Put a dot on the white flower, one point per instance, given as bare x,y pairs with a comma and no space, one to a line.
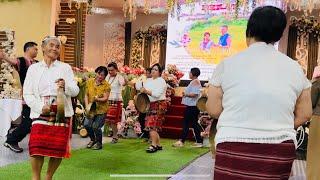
70,20
63,39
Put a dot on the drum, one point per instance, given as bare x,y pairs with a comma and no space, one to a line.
83,132
142,102
91,110
79,116
201,104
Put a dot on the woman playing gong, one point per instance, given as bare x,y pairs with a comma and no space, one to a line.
155,88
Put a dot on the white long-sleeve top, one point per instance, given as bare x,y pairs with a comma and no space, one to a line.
116,83
157,87
40,81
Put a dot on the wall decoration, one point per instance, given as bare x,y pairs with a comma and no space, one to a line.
130,7
155,51
306,25
302,54
307,50
114,43
158,35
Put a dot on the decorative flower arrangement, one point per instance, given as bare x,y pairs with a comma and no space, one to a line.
63,39
131,74
70,20
131,121
9,44
157,31
306,25
136,53
81,75
172,75
170,79
114,43
172,69
8,84
130,9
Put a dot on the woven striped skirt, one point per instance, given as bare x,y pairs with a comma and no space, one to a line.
114,112
49,139
156,116
253,161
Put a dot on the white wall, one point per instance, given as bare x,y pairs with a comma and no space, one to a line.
94,35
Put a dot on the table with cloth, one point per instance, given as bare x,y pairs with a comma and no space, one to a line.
10,110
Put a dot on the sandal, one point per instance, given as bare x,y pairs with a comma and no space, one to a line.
159,148
152,149
90,144
114,141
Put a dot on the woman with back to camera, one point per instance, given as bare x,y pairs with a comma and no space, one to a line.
260,96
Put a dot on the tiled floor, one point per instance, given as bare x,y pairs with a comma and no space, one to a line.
9,157
200,169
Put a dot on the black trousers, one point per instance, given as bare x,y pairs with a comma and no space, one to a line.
23,129
141,118
191,116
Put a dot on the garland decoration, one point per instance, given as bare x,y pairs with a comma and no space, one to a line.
306,25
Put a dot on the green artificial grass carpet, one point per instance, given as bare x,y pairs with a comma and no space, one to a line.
126,157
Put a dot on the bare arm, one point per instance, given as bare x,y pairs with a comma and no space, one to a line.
314,94
214,102
303,108
104,98
229,41
195,89
122,80
4,56
86,100
191,95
